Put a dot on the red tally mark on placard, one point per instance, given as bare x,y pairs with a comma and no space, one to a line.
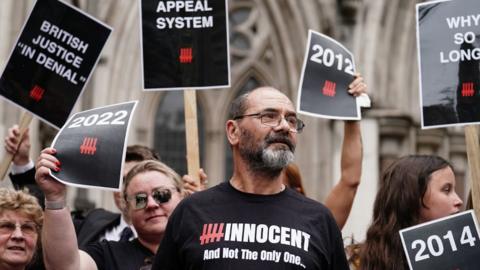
329,88
37,93
186,55
89,146
467,89
212,232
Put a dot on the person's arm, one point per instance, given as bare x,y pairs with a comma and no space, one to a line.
340,199
59,242
22,173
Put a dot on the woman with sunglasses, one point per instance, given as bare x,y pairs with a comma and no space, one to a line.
152,190
20,220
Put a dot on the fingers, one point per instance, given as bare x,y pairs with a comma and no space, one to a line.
203,178
358,86
53,190
191,185
47,160
26,136
12,139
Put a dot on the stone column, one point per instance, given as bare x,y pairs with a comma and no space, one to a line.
394,133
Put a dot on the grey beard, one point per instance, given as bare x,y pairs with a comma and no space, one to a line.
276,160
263,160
267,162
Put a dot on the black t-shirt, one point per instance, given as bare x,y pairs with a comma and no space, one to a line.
112,255
223,228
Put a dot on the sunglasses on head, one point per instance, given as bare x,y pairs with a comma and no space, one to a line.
140,200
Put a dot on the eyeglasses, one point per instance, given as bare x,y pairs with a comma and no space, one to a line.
273,119
28,228
140,200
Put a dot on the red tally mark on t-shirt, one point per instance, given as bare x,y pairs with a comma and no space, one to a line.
186,55
467,89
37,93
212,232
329,88
89,146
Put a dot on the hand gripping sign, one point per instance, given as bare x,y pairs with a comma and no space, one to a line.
52,60
91,147
448,243
328,69
184,44
449,58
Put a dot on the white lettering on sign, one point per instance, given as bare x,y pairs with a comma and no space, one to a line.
463,21
434,245
460,38
328,58
460,55
100,120
187,6
188,22
58,68
57,50
184,22
64,36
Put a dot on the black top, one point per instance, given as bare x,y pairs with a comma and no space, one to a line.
223,228
113,255
27,180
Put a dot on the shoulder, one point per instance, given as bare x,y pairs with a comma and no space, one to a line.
118,255
100,213
209,195
129,248
91,222
305,202
312,210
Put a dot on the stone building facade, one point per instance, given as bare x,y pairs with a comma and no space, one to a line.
267,44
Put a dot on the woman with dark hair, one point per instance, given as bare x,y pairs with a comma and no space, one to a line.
414,189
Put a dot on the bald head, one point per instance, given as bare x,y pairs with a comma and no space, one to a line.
240,104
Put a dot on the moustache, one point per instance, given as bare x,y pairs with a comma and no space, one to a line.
280,138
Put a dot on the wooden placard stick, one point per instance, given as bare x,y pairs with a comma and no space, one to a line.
191,131
473,154
25,121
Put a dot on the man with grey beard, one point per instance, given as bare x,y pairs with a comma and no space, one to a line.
253,221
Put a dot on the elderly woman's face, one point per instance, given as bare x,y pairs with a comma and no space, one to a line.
18,239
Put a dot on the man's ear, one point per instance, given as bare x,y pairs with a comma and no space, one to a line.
233,132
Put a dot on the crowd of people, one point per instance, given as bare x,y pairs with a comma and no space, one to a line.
261,217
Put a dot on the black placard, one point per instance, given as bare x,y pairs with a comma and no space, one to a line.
184,44
52,60
91,147
328,69
449,59
448,243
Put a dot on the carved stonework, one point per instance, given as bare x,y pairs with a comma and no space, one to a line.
429,141
349,9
